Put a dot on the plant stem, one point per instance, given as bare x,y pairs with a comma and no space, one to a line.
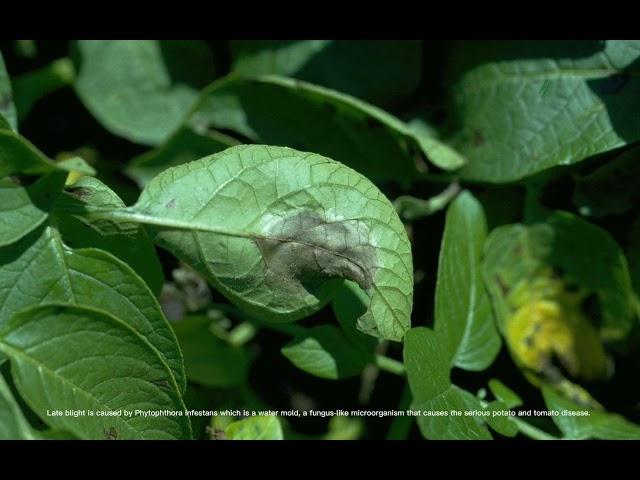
390,365
531,431
401,426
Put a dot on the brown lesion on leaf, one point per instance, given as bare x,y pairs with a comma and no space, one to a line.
110,434
5,101
171,203
304,250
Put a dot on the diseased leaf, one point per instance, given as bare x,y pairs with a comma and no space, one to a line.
317,119
255,428
40,268
596,424
463,316
183,147
141,89
7,108
66,357
433,393
299,221
522,107
584,253
13,425
325,352
22,209
129,242
381,72
208,360
18,155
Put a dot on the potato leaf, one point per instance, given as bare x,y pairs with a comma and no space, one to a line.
255,428
433,393
325,351
18,155
24,209
208,360
463,317
7,108
141,89
392,66
13,425
522,107
596,424
299,220
66,357
321,120
40,268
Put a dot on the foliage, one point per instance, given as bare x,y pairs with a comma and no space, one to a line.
259,239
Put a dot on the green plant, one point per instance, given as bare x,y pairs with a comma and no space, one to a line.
513,221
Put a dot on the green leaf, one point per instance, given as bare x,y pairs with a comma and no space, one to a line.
141,89
130,243
65,357
183,147
299,222
428,374
523,107
349,303
255,428
40,268
24,209
381,72
325,352
610,189
18,155
31,87
13,425
7,108
208,360
508,397
590,256
463,316
633,255
279,111
596,424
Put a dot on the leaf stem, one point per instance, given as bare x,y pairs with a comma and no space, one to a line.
401,426
390,365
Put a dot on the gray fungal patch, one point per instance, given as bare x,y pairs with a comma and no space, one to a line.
304,250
